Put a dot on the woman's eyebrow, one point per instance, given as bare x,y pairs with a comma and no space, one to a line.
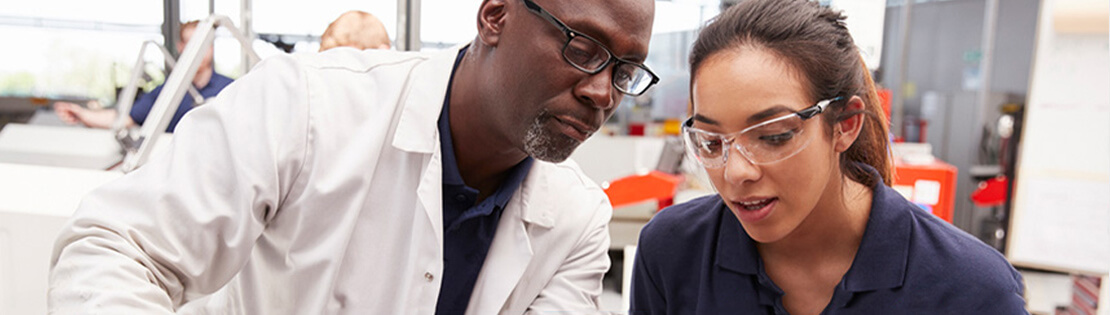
707,120
768,113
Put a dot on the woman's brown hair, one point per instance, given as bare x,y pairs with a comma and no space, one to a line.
814,40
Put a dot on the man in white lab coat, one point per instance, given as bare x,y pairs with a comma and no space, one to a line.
320,184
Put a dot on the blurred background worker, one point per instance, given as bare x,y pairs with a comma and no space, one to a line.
207,81
356,29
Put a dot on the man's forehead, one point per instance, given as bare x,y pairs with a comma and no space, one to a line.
624,25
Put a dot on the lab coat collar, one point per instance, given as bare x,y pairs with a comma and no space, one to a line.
417,131
535,197
530,208
422,101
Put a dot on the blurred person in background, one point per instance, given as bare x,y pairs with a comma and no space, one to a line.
356,29
207,82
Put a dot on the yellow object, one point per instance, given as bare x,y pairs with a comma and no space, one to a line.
672,127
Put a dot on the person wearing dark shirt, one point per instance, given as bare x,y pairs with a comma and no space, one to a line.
787,125
142,107
207,82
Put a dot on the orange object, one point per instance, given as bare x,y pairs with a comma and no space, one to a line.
639,188
885,97
932,185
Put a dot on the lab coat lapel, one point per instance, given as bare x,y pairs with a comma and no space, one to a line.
512,249
422,101
416,131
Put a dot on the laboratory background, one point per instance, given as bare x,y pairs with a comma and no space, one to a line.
999,116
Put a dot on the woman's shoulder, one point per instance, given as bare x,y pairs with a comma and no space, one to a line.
944,269
940,250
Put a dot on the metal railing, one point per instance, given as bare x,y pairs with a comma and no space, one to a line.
139,146
120,128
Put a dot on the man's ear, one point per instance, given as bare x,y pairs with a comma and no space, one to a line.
846,131
491,21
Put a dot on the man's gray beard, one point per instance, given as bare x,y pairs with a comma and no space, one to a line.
545,146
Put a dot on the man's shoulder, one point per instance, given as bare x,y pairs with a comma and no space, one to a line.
564,183
350,59
567,174
216,84
220,80
560,196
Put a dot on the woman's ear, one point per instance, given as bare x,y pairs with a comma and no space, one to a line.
491,21
846,131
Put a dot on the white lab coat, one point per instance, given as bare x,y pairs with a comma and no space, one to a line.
313,186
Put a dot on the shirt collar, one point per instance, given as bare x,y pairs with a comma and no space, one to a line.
880,262
451,175
735,249
883,252
512,182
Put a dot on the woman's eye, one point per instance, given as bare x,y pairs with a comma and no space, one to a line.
777,139
711,146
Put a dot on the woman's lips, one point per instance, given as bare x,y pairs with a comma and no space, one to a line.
754,209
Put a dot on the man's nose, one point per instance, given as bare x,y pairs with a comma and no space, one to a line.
597,89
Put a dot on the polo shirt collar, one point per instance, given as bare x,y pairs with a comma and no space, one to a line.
735,249
880,262
883,252
451,174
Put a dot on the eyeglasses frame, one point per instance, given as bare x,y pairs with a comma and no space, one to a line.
572,34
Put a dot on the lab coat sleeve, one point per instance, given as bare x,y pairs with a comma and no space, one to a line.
576,287
183,225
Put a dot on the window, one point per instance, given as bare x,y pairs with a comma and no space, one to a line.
74,49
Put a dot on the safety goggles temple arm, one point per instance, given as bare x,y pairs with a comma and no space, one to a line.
817,109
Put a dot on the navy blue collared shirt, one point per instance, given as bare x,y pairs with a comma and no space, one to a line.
468,228
695,258
144,104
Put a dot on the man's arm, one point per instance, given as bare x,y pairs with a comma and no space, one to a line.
183,225
71,113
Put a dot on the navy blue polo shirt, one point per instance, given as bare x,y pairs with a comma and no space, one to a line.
468,228
144,104
695,258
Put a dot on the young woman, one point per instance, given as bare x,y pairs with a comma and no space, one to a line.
787,124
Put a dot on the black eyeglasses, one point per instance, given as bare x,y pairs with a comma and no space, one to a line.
590,56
